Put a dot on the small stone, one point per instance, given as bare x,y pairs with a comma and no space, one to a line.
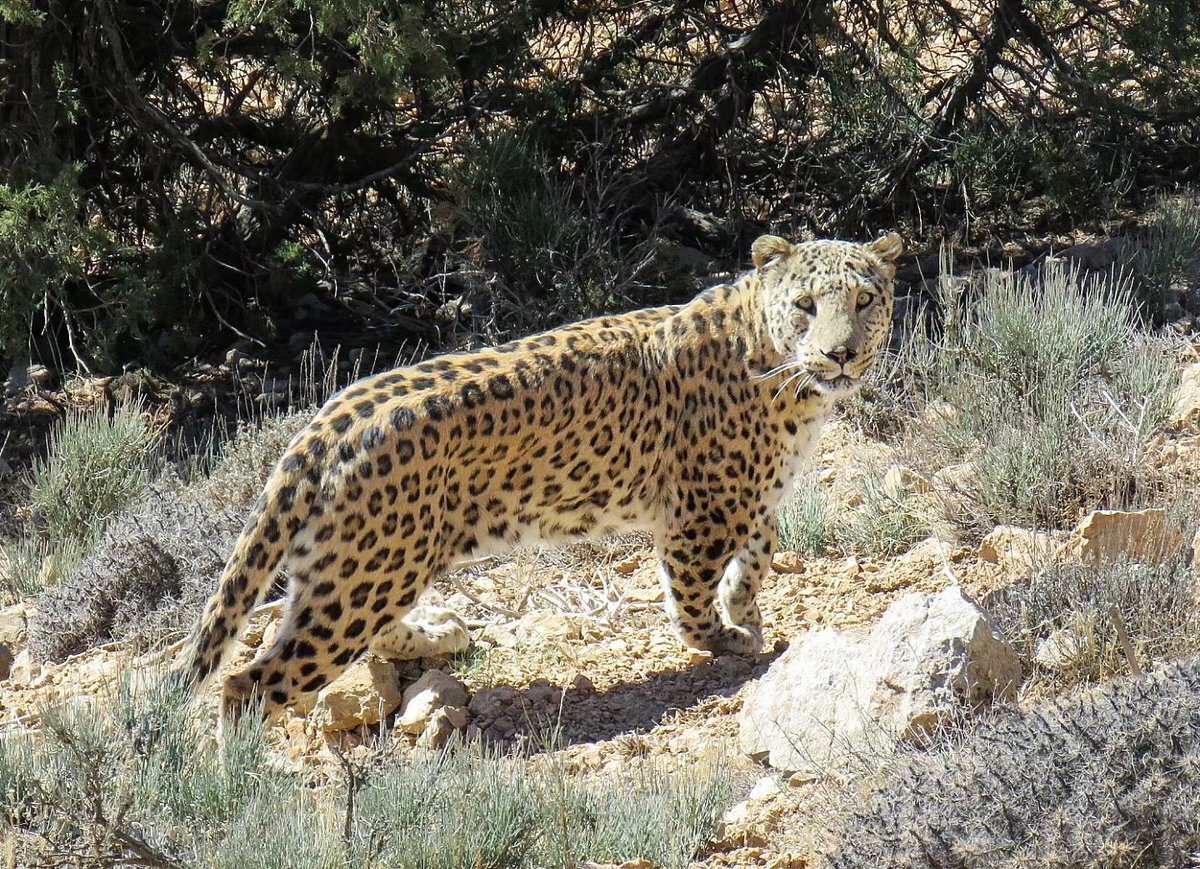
503,727
542,692
367,692
765,787
739,828
437,732
14,624
751,822
1017,550
899,480
1064,648
788,562
583,685
540,625
960,477
24,670
500,635
699,656
647,594
456,715
429,694
626,567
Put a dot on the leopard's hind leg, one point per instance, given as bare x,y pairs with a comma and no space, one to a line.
333,615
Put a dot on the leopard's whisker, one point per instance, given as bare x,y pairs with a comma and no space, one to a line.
790,365
804,377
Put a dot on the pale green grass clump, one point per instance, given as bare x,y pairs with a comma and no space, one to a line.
97,463
1040,383
135,779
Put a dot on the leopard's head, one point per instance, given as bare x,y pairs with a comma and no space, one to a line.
828,307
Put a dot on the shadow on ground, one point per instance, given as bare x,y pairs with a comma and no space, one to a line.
545,713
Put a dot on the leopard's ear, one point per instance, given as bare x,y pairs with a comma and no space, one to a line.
767,248
887,248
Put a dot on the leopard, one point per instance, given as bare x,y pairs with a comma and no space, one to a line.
690,422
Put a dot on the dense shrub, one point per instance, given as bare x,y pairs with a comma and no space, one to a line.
1166,250
146,578
97,463
143,583
1042,388
887,521
807,521
241,466
1109,777
177,174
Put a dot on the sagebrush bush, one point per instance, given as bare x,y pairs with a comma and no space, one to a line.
136,779
1075,605
145,578
242,466
1109,777
33,564
886,522
1166,247
807,521
1046,389
97,462
144,582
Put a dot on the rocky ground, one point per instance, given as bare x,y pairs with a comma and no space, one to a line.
571,654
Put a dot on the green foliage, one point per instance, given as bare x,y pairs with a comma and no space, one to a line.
20,12
1166,247
806,521
97,463
1044,387
36,563
45,247
537,227
138,780
164,194
662,817
1104,778
390,44
887,523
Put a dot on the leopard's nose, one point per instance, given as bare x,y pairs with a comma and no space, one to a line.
840,354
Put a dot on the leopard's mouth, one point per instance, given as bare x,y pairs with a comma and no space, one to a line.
838,386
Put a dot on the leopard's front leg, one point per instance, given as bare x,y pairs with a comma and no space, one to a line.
694,566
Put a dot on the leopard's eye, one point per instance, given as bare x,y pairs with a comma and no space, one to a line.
806,304
864,299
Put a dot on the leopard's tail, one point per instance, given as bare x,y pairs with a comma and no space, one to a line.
246,579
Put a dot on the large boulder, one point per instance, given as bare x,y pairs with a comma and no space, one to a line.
833,693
